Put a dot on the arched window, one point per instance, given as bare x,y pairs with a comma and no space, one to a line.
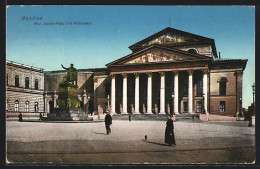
36,107
36,84
16,105
193,51
16,81
27,82
26,106
222,85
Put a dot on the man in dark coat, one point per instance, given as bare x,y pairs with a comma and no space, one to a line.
108,122
20,117
169,132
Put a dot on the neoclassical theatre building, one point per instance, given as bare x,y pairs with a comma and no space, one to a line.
171,71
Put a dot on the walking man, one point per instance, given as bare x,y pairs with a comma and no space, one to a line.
20,117
108,122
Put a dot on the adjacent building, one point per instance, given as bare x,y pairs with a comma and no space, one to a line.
24,88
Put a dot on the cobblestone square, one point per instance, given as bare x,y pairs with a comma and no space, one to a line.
87,143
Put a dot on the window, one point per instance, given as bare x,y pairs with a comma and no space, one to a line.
36,84
16,81
199,88
222,106
26,106
222,86
27,82
185,106
199,106
185,87
16,105
36,107
192,51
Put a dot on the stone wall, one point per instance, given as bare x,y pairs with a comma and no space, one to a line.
22,97
231,92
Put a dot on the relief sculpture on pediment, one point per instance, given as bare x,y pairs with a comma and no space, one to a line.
156,56
166,39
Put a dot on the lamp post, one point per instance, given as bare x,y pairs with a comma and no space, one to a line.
172,103
108,102
253,88
240,107
88,97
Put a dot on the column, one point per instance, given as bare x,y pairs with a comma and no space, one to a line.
95,98
190,95
44,103
54,99
149,93
137,93
205,89
176,92
124,93
113,93
84,97
162,93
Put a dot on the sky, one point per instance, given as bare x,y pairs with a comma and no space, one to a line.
108,31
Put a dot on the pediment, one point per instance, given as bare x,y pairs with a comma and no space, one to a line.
170,37
157,54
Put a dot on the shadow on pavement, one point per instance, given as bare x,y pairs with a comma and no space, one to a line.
99,133
161,144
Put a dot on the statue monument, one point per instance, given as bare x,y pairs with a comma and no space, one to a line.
68,105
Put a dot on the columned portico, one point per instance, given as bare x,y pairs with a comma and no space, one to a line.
162,93
124,93
149,93
113,94
190,93
137,93
205,90
176,92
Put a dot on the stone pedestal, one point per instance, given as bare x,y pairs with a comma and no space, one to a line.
68,105
68,115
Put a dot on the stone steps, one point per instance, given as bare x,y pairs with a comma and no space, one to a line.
68,115
160,117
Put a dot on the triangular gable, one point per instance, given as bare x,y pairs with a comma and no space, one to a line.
170,36
156,54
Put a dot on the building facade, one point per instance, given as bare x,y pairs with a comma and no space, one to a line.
168,72
24,88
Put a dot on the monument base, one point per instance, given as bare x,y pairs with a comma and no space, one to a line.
68,115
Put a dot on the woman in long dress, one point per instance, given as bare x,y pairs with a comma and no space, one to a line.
169,132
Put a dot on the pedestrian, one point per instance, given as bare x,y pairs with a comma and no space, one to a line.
130,116
169,132
108,122
40,117
20,117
